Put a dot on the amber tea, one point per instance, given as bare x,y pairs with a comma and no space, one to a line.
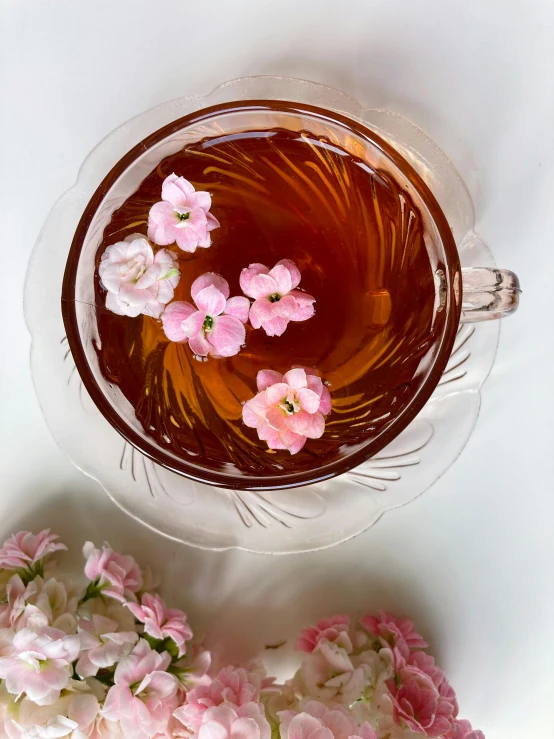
358,242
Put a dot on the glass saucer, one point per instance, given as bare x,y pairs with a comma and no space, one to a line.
277,522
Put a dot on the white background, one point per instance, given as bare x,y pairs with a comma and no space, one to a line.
471,560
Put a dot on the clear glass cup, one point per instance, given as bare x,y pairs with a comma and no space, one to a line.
465,295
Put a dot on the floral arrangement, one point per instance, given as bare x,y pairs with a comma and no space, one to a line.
140,281
107,659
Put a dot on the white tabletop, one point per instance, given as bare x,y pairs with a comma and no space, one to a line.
472,559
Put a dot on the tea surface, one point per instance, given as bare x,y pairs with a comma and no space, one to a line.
357,240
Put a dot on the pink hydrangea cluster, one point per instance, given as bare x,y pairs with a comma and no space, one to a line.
110,660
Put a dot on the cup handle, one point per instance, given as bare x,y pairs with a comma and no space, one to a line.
488,293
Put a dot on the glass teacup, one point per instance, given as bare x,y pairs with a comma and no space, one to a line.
459,294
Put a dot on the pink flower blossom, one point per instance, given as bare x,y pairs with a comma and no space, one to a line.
215,326
231,722
426,663
332,672
192,670
110,609
116,575
397,634
232,685
56,727
276,301
162,622
144,695
182,216
318,721
40,603
327,628
304,726
288,409
417,704
25,549
73,715
102,645
39,665
138,281
462,730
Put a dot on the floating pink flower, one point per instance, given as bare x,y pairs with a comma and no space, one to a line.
417,704
232,685
136,280
288,409
113,574
397,634
25,549
162,622
182,216
231,722
39,664
144,695
276,301
215,326
327,628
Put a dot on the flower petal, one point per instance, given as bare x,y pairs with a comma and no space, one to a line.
254,410
276,418
161,224
192,325
265,378
133,298
261,311
175,190
261,286
282,278
271,437
325,401
276,327
309,400
304,305
275,394
154,308
207,279
299,422
211,222
315,383
200,345
317,426
227,335
248,273
296,378
286,307
293,271
187,239
292,441
201,200
114,304
210,300
173,317
239,307
164,291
